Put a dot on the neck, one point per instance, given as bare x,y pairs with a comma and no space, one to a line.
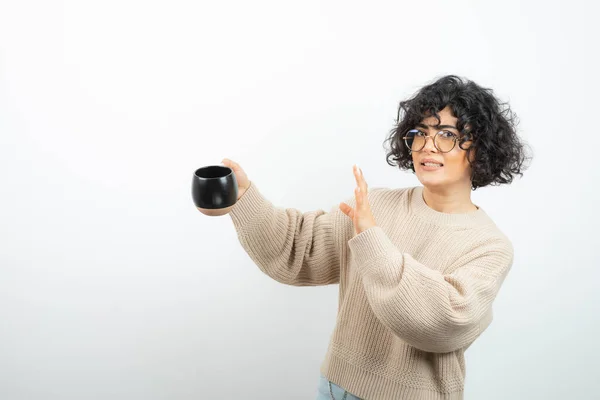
450,200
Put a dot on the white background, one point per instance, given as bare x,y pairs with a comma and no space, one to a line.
112,284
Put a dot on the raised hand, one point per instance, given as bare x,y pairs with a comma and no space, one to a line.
361,216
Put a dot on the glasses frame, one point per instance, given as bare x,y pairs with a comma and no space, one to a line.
456,139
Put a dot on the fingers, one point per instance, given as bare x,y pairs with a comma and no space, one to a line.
231,164
361,189
360,179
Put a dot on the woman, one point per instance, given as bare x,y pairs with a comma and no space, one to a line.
418,268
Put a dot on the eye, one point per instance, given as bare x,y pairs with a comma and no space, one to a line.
448,134
418,132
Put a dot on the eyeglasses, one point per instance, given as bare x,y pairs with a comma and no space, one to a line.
444,141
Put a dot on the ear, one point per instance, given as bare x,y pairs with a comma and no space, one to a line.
466,145
471,154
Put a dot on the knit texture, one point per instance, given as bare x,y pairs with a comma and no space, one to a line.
415,291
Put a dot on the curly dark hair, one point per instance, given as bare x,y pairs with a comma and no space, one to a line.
498,153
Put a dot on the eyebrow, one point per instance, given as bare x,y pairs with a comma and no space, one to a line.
437,126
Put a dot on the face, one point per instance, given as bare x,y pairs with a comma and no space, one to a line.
455,170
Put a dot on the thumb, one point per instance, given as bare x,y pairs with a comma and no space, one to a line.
346,209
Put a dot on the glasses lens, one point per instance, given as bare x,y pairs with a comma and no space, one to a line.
414,140
445,141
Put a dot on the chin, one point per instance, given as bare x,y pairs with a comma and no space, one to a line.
440,182
432,181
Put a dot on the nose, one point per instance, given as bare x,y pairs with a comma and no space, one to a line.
429,146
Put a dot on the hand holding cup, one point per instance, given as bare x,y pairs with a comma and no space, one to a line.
240,176
216,188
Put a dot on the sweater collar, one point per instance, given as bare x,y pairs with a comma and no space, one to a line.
467,220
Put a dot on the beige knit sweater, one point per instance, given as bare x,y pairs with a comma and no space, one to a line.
414,292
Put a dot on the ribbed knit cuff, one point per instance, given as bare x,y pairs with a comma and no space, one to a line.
248,206
370,245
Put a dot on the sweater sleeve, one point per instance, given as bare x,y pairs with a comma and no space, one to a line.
429,310
291,247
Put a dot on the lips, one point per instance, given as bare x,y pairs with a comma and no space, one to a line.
431,161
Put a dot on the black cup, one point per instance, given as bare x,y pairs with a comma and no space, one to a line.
214,189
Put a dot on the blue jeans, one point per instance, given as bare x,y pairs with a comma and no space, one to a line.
338,393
